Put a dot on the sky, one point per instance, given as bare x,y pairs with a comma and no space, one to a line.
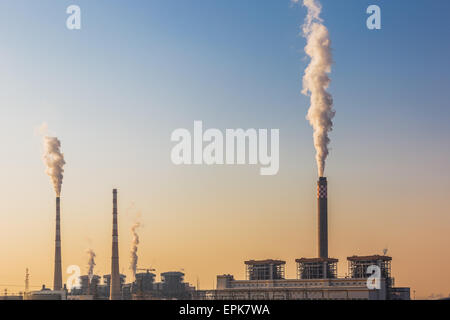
114,91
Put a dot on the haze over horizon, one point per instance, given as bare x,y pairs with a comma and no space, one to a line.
115,90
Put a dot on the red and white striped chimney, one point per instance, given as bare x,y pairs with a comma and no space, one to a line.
57,280
115,276
322,217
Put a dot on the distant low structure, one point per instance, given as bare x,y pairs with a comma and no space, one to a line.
11,297
46,294
90,288
171,287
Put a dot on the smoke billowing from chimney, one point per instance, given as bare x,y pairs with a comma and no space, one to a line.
134,248
91,263
316,80
54,161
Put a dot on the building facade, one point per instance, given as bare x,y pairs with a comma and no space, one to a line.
316,280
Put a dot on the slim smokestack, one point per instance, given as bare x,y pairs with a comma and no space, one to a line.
322,217
115,277
57,280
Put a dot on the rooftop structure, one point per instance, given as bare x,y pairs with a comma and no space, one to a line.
358,265
265,269
316,268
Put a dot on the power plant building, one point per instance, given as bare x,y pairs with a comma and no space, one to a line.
265,269
317,278
88,286
144,281
46,294
358,266
316,268
311,284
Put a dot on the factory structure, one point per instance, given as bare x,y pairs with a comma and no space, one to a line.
145,287
368,277
111,286
317,278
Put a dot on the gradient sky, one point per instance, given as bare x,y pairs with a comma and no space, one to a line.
114,91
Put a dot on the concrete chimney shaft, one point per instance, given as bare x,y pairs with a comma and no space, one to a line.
322,217
115,276
57,280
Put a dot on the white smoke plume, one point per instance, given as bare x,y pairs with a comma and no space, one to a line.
134,248
316,80
53,160
91,263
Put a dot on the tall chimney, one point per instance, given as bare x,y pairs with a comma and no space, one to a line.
322,217
115,277
57,280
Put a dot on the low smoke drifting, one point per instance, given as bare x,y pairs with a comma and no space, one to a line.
91,263
316,80
54,161
134,248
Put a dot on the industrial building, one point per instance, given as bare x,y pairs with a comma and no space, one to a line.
265,269
172,286
46,294
317,278
113,286
144,281
317,268
9,297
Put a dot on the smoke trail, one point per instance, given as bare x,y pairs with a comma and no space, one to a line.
54,161
316,80
91,263
134,248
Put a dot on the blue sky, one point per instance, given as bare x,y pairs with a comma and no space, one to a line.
226,61
115,90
